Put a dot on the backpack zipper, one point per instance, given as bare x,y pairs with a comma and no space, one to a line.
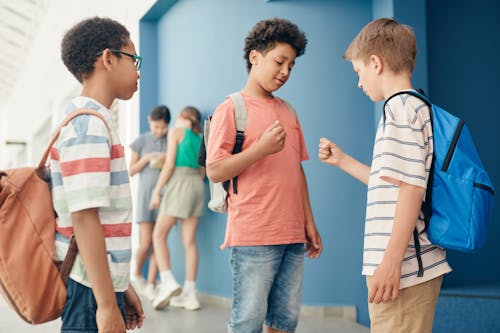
453,145
484,187
450,152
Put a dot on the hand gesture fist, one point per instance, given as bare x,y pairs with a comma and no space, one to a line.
273,139
329,152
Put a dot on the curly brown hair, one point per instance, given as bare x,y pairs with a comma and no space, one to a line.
82,43
267,33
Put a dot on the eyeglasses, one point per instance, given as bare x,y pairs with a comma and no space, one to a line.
137,58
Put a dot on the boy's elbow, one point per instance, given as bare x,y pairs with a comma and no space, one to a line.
213,174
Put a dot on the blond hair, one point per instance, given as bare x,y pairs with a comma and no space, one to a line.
393,42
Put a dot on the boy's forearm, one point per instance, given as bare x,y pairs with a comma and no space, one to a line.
407,211
355,168
233,165
92,249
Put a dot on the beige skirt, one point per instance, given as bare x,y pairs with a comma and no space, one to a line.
184,194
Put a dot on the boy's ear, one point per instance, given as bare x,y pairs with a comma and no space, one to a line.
107,59
376,63
253,56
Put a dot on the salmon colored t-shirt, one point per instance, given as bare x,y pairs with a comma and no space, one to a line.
268,209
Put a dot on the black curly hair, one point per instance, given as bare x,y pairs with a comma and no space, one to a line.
267,33
82,43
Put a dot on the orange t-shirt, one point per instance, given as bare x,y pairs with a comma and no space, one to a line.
268,209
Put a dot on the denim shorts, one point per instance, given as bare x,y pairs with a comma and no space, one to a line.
79,311
267,286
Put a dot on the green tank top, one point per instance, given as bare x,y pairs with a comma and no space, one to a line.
188,149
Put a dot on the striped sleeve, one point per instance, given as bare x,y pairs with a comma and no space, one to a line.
85,164
406,151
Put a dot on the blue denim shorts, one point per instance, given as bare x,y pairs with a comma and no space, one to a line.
267,286
79,311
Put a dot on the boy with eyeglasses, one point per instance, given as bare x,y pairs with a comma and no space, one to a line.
90,184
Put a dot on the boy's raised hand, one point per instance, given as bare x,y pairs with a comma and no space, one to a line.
273,139
329,152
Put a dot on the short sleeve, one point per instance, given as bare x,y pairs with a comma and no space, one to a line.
138,144
85,162
406,147
222,135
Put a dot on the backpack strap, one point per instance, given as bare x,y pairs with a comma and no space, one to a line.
240,111
420,95
65,122
240,116
426,205
66,266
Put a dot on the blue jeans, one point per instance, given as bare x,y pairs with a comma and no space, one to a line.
267,285
79,311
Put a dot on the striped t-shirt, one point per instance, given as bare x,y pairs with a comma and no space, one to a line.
89,170
402,152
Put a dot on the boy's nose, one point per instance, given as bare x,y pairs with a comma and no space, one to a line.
285,71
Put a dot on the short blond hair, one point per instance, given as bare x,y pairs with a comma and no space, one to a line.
393,42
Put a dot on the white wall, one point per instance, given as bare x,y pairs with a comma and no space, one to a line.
45,85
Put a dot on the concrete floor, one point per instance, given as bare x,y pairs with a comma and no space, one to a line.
211,318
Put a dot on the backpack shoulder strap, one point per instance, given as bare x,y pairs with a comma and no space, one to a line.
65,122
420,95
240,111
426,205
240,115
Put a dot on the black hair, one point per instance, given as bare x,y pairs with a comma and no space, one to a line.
160,112
267,33
82,43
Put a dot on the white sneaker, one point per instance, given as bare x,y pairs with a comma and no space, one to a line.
139,284
150,291
187,301
165,292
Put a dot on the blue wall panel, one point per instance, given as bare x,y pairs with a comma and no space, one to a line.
463,78
199,48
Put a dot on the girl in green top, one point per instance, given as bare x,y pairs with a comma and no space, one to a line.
181,179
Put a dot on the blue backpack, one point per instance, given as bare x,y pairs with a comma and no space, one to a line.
459,196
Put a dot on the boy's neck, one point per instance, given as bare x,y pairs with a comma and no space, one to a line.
98,92
253,89
396,83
